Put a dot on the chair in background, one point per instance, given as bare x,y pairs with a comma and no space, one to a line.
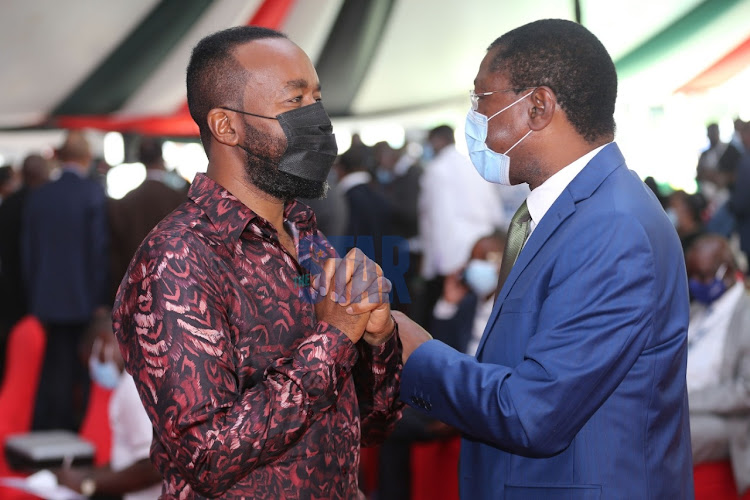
23,366
715,481
434,469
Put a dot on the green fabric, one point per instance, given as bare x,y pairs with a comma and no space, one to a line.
658,47
120,74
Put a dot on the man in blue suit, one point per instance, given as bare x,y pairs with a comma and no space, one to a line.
578,388
65,264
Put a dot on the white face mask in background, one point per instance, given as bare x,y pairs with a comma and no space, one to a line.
493,167
481,276
107,373
672,215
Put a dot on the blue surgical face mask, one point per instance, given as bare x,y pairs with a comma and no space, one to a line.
708,293
385,176
672,215
428,153
481,276
107,373
493,167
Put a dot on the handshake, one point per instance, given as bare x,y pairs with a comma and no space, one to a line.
353,297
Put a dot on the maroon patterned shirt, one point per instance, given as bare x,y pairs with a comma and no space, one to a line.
249,395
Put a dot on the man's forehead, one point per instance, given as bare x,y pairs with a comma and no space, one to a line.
486,75
277,59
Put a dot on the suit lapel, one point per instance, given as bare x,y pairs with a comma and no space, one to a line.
580,188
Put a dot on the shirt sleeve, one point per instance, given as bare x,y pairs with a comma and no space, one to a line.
177,343
377,378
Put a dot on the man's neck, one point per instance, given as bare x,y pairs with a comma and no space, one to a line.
560,158
260,202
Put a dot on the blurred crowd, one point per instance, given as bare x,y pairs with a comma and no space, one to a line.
433,224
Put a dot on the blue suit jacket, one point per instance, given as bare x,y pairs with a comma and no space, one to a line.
65,249
578,389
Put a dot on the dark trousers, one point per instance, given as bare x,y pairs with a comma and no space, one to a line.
64,383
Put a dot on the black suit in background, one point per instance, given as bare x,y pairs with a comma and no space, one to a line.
65,257
456,331
739,202
403,194
369,219
133,217
12,295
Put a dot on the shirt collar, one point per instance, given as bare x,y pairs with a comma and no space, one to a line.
541,199
230,216
74,169
354,179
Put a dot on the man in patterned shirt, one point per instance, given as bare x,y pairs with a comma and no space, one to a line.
257,385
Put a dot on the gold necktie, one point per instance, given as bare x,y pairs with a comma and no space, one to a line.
517,234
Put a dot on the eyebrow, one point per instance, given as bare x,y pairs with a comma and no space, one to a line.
299,83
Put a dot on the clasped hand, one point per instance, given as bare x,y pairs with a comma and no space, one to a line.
353,296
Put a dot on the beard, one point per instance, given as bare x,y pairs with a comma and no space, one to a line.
263,153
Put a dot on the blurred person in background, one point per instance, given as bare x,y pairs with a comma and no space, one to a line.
369,211
739,200
718,367
35,171
685,211
98,171
65,265
709,179
331,212
8,183
461,313
398,175
723,220
456,207
130,474
132,217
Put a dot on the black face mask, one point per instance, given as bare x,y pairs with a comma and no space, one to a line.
310,143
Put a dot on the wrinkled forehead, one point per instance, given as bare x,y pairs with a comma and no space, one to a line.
273,64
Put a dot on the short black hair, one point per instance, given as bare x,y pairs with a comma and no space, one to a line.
149,150
570,60
358,158
444,132
214,77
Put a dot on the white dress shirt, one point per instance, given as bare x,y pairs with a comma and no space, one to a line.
351,180
456,208
707,335
131,433
543,197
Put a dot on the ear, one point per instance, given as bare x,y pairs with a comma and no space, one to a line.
222,128
543,108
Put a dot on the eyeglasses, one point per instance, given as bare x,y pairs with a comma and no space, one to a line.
475,97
